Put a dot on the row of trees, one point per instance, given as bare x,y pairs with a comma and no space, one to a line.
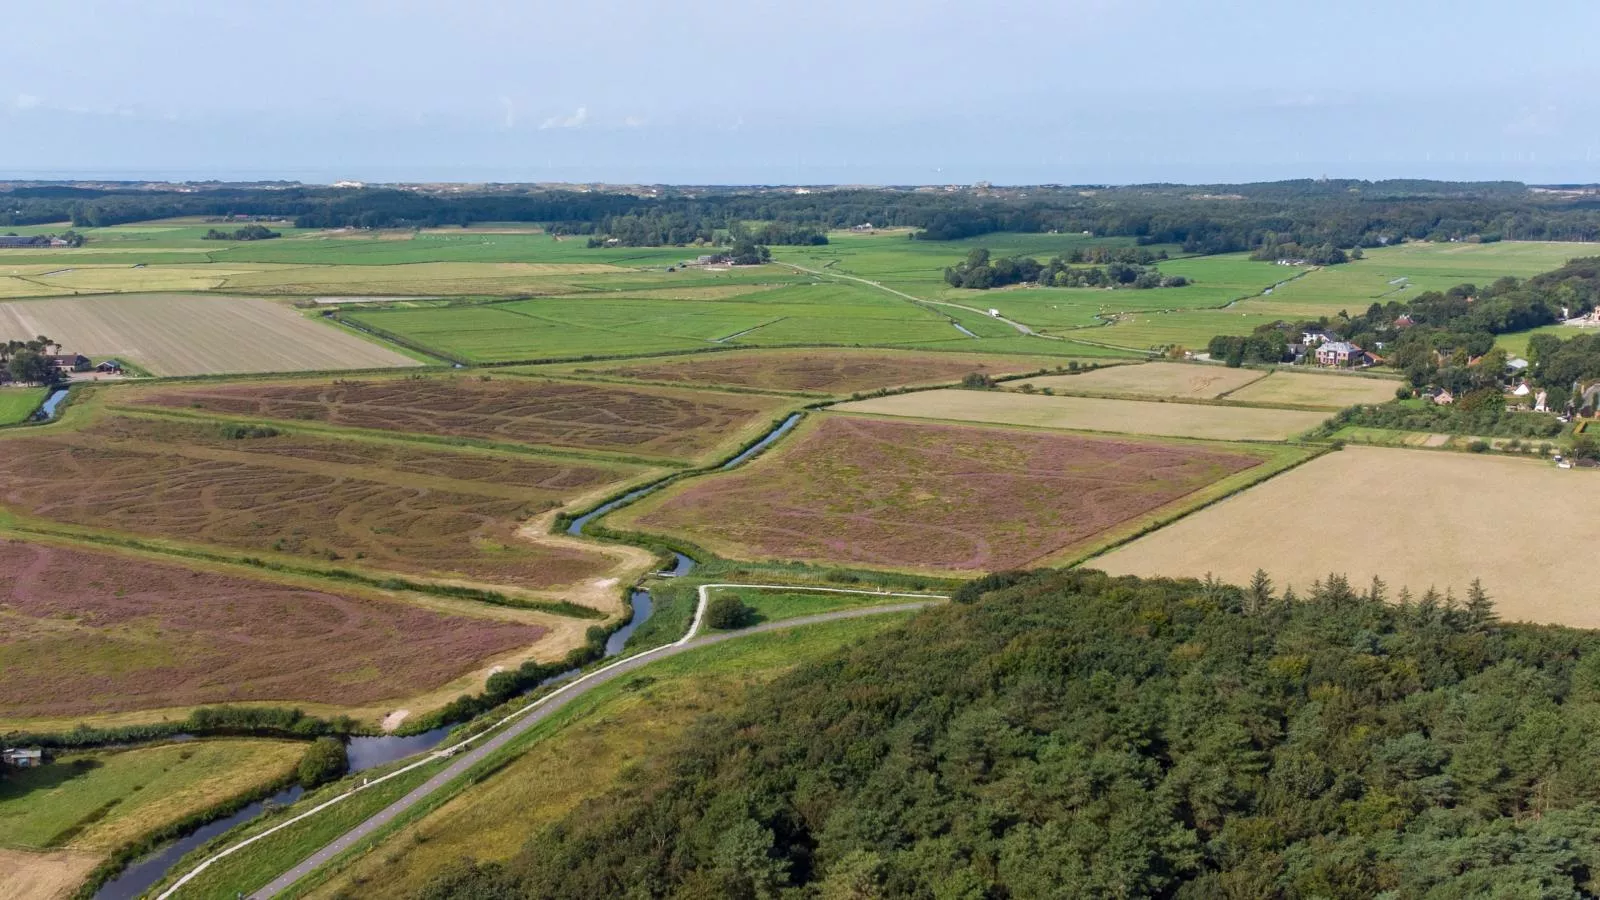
980,272
1324,254
29,361
1075,735
246,233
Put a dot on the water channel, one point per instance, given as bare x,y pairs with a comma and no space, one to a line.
368,752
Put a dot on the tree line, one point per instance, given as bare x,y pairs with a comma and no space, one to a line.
1337,214
980,272
1069,734
246,233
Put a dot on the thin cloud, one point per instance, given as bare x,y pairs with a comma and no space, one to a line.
576,120
26,101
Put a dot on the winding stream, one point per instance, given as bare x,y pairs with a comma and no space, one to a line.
367,752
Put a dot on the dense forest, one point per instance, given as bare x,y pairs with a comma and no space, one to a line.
1313,217
246,233
1068,734
980,272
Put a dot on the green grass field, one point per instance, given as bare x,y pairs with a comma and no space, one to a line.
19,404
103,799
773,606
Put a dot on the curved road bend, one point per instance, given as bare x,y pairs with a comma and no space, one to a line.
528,717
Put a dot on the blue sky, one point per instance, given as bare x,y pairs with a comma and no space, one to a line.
893,91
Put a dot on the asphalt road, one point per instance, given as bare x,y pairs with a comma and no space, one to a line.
517,723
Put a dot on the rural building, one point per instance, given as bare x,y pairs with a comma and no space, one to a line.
1516,366
110,366
1340,353
863,227
22,759
27,240
1443,398
1404,321
1314,336
70,362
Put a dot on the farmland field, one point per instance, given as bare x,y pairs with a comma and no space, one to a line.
1309,389
172,334
19,404
932,497
1159,380
114,634
660,422
100,800
142,477
1435,524
1094,414
817,371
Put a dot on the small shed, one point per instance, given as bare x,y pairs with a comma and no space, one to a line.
112,366
22,759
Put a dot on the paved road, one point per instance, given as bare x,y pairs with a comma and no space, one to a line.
519,722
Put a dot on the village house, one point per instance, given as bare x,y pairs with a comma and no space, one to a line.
68,363
1443,397
1516,366
1341,354
1316,335
1404,321
22,759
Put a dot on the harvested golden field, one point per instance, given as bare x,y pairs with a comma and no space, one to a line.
1183,381
1095,414
1414,518
177,334
1310,389
925,496
819,371
369,509
112,633
52,875
660,422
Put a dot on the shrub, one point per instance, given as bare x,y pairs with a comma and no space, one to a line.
727,611
246,432
977,380
324,761
1478,447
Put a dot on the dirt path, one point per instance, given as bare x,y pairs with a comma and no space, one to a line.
519,722
922,300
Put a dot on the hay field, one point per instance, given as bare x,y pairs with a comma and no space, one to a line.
175,334
930,497
661,422
824,371
1414,518
1093,414
1158,380
1309,389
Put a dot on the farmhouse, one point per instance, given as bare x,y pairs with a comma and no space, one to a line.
22,759
27,240
1340,353
70,362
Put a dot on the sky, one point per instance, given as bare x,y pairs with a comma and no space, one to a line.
819,92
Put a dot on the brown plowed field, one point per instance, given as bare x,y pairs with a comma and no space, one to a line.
101,633
655,421
926,496
114,476
823,371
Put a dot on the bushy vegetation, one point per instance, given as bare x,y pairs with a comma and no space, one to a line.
234,431
246,233
1076,735
239,721
1480,412
980,272
727,612
509,683
324,761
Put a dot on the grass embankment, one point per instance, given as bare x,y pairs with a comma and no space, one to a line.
269,857
591,745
